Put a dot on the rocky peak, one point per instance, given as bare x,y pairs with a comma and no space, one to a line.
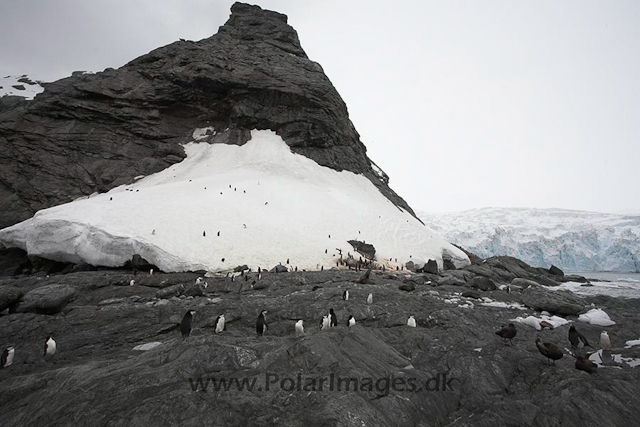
92,132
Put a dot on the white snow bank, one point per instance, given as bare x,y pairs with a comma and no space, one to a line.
632,343
534,322
596,316
268,204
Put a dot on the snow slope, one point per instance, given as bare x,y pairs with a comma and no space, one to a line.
572,240
19,86
268,204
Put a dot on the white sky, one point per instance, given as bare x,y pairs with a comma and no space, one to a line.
464,104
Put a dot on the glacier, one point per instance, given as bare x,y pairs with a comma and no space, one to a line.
578,241
257,204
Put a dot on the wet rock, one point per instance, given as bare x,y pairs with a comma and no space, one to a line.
556,302
170,291
278,269
472,294
483,283
49,299
431,267
9,295
555,271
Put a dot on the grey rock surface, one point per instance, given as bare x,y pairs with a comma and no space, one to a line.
97,378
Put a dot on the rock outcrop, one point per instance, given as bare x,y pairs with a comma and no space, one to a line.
92,132
102,374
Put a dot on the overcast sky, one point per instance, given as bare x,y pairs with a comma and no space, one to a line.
464,104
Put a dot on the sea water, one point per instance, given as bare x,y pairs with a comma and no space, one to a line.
626,285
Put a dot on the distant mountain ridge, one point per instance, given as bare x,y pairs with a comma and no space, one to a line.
572,240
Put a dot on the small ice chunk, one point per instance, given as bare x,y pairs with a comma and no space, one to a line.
147,346
596,316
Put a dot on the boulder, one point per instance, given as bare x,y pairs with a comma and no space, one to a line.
8,296
407,287
561,303
555,271
193,290
170,291
278,269
48,299
471,294
544,280
480,270
241,268
575,278
431,267
449,280
523,283
483,283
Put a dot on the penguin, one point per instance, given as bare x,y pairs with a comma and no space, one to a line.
218,234
49,347
204,234
198,280
576,337
507,332
345,295
153,232
186,324
352,321
322,268
296,269
261,323
325,251
411,322
370,299
299,328
334,318
220,324
549,350
132,282
287,260
151,272
326,323
605,341
233,277
7,357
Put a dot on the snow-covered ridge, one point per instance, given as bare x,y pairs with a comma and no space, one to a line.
571,240
267,203
19,86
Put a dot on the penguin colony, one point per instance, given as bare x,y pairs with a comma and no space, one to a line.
507,332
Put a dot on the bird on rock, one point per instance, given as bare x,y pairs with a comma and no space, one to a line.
507,332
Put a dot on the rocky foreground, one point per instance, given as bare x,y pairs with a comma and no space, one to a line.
466,375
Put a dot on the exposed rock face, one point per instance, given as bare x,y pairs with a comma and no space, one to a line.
92,132
48,299
495,384
556,302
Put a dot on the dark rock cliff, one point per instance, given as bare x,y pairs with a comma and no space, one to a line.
92,132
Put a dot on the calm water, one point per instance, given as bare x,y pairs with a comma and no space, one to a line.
613,284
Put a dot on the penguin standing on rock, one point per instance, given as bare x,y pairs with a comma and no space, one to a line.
299,328
334,318
352,321
261,323
7,357
345,295
370,299
187,323
50,347
220,324
605,341
325,323
411,322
